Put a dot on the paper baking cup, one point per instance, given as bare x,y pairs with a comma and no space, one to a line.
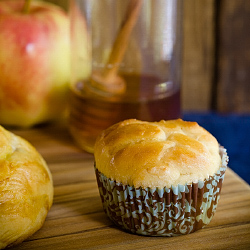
162,212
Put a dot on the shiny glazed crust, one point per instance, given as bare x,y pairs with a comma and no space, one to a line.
26,189
157,154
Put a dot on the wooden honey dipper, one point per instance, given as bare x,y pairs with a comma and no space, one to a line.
109,80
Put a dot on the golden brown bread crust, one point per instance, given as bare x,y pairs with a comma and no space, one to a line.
26,189
157,154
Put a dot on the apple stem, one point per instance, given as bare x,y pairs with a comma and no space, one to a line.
26,6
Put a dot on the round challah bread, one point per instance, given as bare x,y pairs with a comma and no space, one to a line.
159,178
26,189
157,154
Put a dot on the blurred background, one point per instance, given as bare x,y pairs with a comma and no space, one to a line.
216,73
216,55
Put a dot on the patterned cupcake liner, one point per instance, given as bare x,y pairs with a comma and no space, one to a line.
162,212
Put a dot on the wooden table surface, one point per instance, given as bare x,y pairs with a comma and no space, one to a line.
77,221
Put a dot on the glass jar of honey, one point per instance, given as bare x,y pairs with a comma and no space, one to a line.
126,63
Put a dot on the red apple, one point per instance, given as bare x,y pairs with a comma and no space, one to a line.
34,62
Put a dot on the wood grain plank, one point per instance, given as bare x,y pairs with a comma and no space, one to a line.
113,238
54,143
234,57
83,223
77,221
198,54
72,225
73,172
